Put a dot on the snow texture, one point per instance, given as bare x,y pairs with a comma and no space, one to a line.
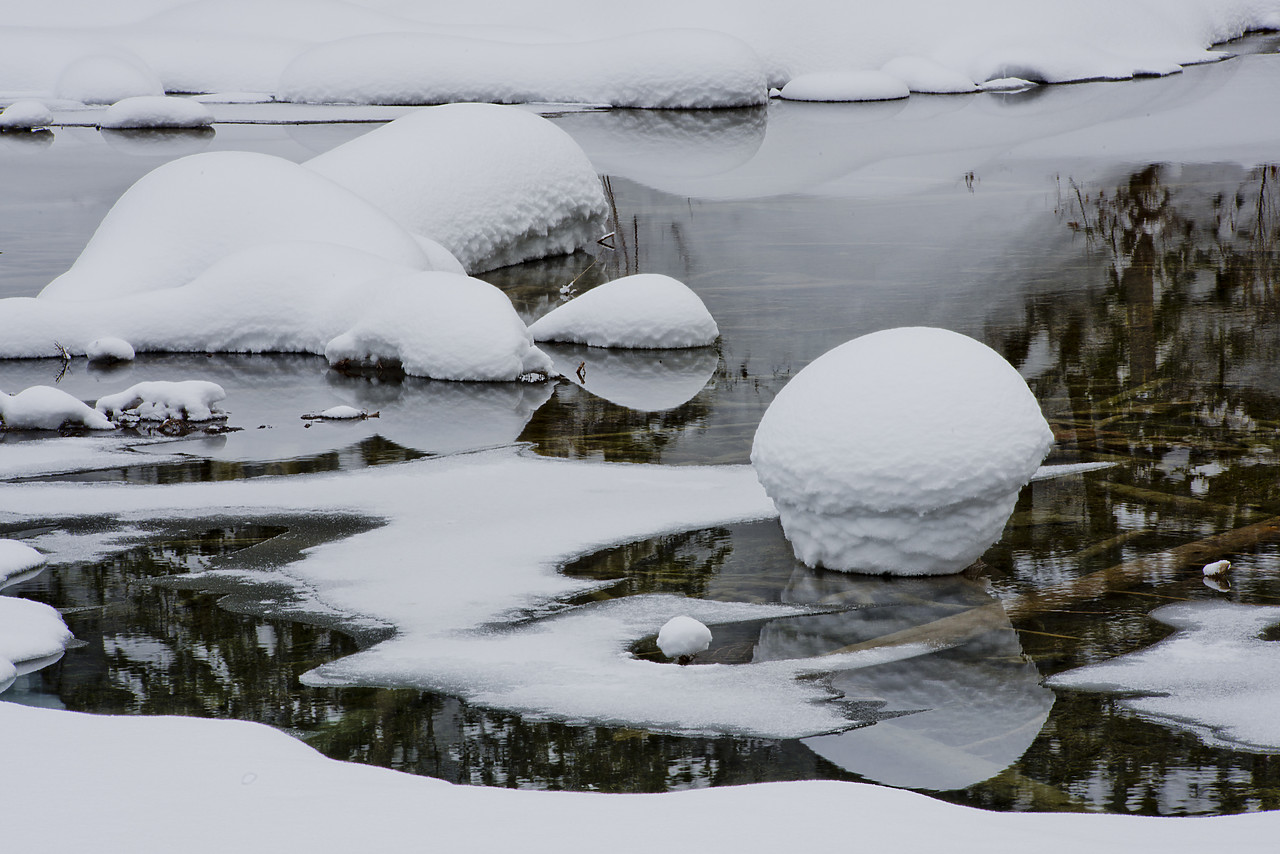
27,114
108,349
645,311
683,635
651,69
1214,676
494,185
900,452
188,400
845,86
32,635
156,111
44,407
17,559
444,326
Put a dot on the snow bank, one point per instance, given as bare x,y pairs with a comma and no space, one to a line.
845,86
181,217
47,408
32,635
900,452
444,326
189,400
27,114
17,559
156,111
494,185
107,78
652,69
645,311
1215,676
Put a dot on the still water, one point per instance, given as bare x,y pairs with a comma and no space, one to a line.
1138,300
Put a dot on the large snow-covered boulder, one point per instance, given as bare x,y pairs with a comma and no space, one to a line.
180,218
444,326
156,111
900,452
32,635
645,311
494,185
44,407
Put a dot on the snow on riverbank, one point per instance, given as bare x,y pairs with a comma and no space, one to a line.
267,789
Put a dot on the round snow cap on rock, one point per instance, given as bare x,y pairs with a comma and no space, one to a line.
25,115
683,637
646,311
845,86
156,111
107,350
900,452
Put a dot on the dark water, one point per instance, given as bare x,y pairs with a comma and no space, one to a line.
1139,300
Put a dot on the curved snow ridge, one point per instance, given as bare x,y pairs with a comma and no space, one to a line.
691,69
32,635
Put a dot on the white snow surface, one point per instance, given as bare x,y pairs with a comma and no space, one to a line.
494,185
650,69
32,635
186,400
109,349
27,114
644,311
17,558
683,635
264,785
900,452
845,86
156,111
44,407
1214,676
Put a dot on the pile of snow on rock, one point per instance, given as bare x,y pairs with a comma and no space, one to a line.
155,111
900,452
645,311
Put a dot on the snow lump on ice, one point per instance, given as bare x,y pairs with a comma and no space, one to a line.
900,452
645,311
32,634
156,111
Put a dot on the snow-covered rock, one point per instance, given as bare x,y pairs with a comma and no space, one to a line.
108,349
27,114
443,326
683,637
494,185
928,77
645,311
106,78
651,69
32,635
180,218
188,400
17,559
156,111
845,86
342,413
44,407
900,452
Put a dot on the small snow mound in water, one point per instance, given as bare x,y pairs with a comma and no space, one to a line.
106,78
17,558
683,636
1008,84
443,326
928,77
900,452
343,413
44,407
27,114
31,633
645,311
845,86
106,350
156,111
190,400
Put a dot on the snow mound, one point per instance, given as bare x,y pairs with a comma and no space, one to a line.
32,635
683,636
107,350
645,311
1215,676
44,407
178,219
17,559
26,114
845,86
928,77
343,413
189,400
106,78
900,452
443,326
156,111
493,185
651,69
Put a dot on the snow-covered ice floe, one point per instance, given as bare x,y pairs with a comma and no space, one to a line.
17,561
156,111
1215,676
900,452
645,311
32,635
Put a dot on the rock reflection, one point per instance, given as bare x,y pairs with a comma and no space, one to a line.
159,142
643,380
